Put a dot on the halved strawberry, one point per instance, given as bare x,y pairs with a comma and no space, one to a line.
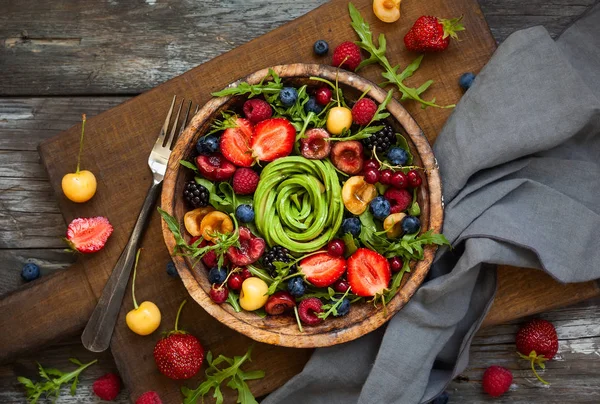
249,251
88,234
323,269
235,143
273,138
368,272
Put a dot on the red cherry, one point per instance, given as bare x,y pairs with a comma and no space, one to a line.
336,248
371,164
279,303
323,95
396,264
385,176
218,294
399,180
341,286
235,281
245,274
414,179
371,176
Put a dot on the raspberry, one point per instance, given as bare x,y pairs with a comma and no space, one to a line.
496,380
400,199
257,110
363,111
107,387
308,310
347,56
149,397
245,181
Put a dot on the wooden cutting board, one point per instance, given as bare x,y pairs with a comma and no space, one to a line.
117,146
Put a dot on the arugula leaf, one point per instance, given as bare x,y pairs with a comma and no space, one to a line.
229,121
51,387
351,244
396,282
216,376
403,144
332,307
189,165
377,55
233,300
270,90
223,198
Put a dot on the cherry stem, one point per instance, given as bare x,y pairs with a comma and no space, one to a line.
137,257
178,313
83,117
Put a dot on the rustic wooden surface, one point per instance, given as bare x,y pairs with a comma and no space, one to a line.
31,222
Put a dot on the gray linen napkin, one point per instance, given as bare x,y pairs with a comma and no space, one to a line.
519,160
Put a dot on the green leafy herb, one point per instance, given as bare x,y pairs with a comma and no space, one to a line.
414,208
331,308
260,273
377,55
269,89
367,130
229,121
194,251
222,196
218,373
51,385
396,282
260,313
403,144
351,244
282,271
234,300
189,165
298,116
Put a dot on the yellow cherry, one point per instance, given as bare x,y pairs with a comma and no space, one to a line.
387,10
254,294
79,186
213,223
393,225
145,318
338,119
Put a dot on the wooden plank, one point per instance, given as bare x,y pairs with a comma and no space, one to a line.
22,164
130,47
31,230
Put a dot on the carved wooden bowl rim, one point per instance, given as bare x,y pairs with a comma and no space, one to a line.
279,330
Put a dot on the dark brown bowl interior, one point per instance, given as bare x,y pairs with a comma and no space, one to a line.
282,330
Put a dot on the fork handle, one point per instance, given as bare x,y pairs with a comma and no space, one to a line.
99,329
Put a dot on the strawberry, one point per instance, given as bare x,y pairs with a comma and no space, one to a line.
496,380
214,167
149,397
249,251
368,272
322,269
537,342
363,111
235,143
88,234
347,56
107,387
245,181
273,138
432,34
179,355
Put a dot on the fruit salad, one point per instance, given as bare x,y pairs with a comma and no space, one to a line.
302,202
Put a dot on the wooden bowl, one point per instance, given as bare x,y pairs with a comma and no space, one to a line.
282,330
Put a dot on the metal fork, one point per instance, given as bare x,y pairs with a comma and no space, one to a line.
99,329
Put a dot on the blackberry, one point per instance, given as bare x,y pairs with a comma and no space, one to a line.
195,195
277,253
382,140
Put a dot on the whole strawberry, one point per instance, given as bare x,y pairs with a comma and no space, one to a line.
537,342
432,34
107,387
179,355
496,380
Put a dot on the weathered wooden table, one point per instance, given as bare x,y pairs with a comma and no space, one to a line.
117,49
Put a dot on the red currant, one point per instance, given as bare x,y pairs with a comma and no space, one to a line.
399,180
323,95
385,176
219,294
371,176
235,281
336,248
245,274
414,179
341,286
371,164
396,264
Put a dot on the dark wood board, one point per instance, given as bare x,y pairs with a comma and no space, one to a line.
133,126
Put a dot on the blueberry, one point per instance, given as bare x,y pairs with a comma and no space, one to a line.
207,144
296,286
312,106
441,399
217,275
411,224
171,270
380,207
343,308
466,80
397,156
321,47
245,213
352,226
30,272
288,96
